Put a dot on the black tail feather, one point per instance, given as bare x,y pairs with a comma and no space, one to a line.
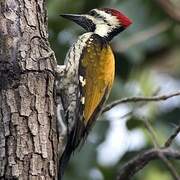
74,139
63,162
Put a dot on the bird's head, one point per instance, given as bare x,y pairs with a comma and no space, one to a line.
105,22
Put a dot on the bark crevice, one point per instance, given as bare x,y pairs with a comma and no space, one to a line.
28,135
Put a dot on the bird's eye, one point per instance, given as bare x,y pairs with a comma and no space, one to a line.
92,13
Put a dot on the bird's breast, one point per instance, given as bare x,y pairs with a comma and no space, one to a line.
98,64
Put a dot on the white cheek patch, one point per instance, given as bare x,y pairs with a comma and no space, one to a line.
104,28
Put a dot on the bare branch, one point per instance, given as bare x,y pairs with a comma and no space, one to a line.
140,99
151,133
172,8
172,137
170,167
168,164
142,36
136,164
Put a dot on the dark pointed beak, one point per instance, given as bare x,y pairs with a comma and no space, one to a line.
80,19
73,17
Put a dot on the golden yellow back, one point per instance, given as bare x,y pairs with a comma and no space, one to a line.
98,64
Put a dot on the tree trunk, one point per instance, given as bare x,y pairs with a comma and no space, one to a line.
28,137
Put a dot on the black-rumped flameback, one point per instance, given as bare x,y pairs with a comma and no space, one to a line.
89,74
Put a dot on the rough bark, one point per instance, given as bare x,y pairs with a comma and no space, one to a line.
28,138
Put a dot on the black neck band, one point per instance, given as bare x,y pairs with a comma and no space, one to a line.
114,33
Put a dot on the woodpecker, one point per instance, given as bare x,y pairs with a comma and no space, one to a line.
88,74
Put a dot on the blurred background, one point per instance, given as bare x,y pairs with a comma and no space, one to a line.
147,63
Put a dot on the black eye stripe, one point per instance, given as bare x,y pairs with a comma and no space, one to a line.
95,14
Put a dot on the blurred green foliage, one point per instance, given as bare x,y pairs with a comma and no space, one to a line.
147,63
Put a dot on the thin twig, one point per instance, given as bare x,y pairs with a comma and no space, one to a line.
168,164
172,137
151,133
140,161
172,8
140,99
142,36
